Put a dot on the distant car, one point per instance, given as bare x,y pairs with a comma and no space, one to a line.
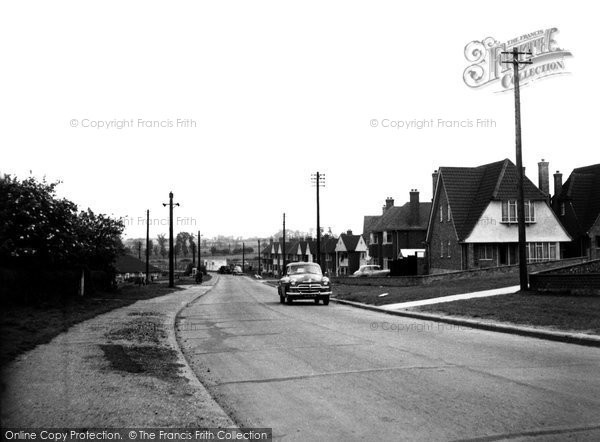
237,270
304,280
370,270
224,270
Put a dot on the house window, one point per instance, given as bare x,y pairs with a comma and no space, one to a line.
486,252
529,212
387,237
449,213
562,209
541,251
598,242
441,249
449,249
441,214
509,211
375,238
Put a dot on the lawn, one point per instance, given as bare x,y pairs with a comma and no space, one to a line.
370,294
24,327
561,312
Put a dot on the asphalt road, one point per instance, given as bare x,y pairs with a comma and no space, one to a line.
314,372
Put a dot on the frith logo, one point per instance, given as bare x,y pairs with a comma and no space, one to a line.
487,68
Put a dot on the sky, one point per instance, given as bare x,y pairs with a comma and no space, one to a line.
257,96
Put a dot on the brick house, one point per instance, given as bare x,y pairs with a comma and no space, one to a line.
351,252
577,205
399,231
473,221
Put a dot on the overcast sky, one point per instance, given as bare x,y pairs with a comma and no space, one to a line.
277,90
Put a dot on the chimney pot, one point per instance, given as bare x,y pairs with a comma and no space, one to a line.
349,232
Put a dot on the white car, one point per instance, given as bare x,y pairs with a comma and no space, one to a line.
370,270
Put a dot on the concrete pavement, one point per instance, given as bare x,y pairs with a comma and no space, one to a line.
119,369
450,298
315,372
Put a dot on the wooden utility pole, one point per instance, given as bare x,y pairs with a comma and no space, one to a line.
523,279
318,180
147,246
171,248
259,256
243,256
283,251
199,251
140,250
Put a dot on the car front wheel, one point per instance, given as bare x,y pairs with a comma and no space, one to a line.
326,300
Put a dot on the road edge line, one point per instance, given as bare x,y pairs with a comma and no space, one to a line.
549,335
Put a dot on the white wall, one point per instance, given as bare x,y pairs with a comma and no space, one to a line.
547,228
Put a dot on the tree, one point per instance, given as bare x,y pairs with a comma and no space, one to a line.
38,229
162,245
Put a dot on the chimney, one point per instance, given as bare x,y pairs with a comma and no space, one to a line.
544,177
414,206
349,232
557,183
389,202
434,179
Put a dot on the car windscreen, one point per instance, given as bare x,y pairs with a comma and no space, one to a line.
297,270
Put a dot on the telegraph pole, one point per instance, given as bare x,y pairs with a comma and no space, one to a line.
147,246
243,256
171,249
199,252
140,250
259,257
523,279
283,260
318,180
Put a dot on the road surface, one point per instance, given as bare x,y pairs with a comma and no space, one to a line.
314,372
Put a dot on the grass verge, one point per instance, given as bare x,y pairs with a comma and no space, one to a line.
556,311
368,294
25,327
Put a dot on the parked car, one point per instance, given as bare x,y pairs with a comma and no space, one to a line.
304,280
225,270
237,270
370,270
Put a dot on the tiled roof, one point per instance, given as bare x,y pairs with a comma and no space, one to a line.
131,264
350,241
368,223
399,218
582,189
470,190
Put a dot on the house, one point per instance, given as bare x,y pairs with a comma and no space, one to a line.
577,205
127,266
473,220
351,252
399,232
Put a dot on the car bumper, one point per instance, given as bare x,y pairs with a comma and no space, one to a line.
308,294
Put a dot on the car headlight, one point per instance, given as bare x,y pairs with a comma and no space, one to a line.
326,282
293,283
